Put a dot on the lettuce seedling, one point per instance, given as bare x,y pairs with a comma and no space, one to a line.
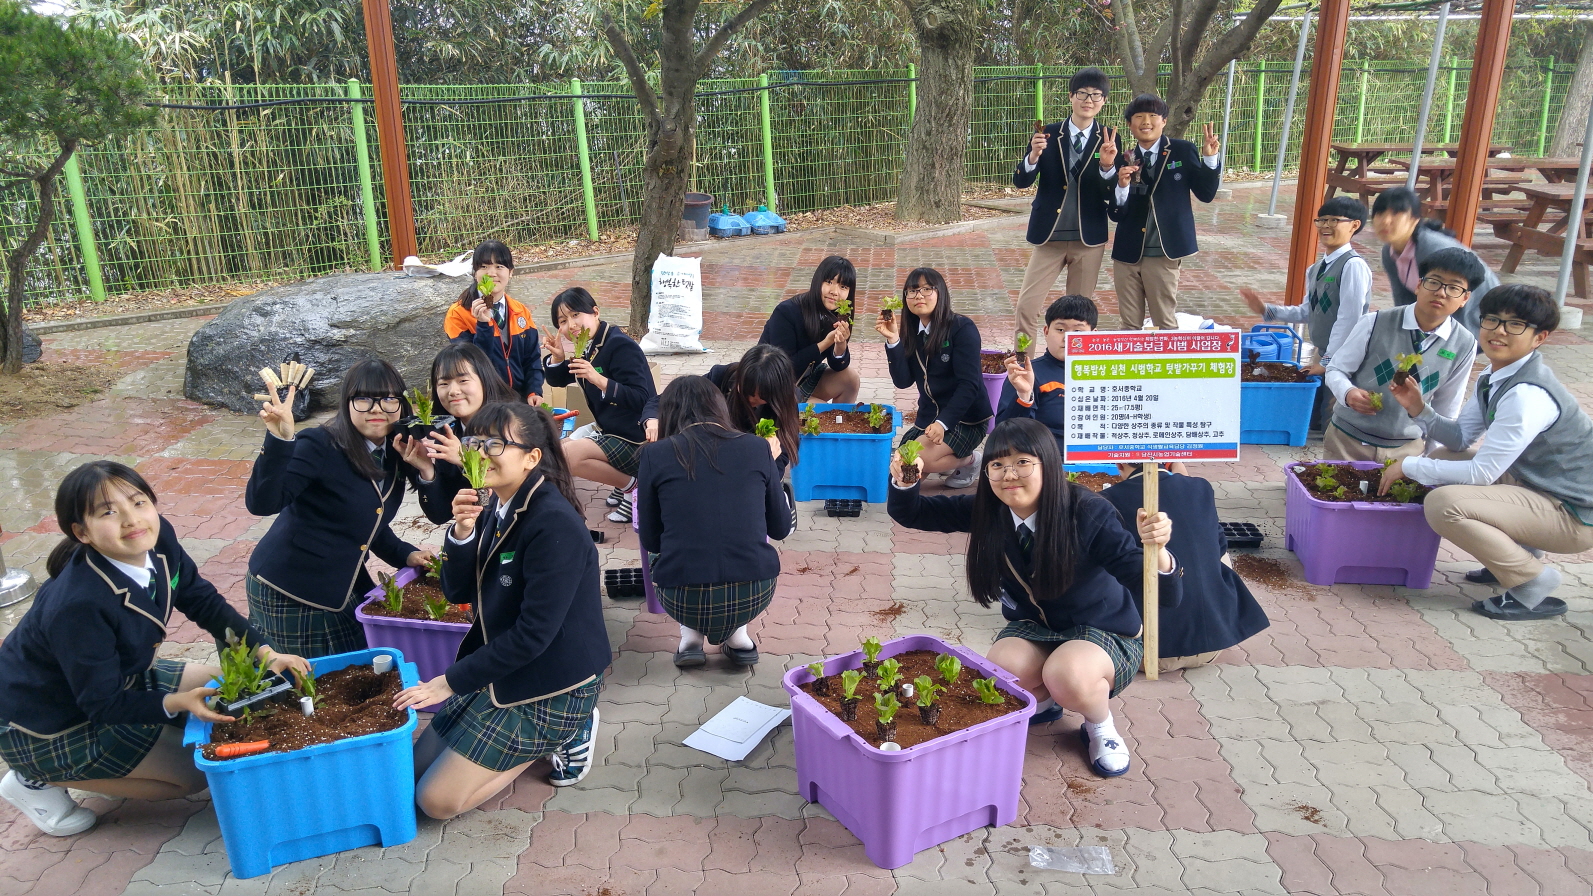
1405,491
810,421
474,465
909,451
242,673
1403,365
485,286
392,595
871,649
890,306
434,567
926,691
420,403
437,607
850,679
876,415
987,691
1376,399
582,340
1023,343
844,309
304,686
886,704
765,428
949,667
889,672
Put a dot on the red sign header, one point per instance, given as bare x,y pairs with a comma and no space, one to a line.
1182,342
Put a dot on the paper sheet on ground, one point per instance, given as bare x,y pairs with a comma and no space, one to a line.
737,729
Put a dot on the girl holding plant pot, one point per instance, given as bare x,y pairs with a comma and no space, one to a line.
938,351
527,676
814,330
1067,574
486,317
462,382
708,496
85,703
306,574
619,389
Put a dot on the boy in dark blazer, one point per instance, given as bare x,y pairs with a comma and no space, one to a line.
1155,221
1037,390
1067,221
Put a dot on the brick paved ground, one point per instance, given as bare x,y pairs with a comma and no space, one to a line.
1374,740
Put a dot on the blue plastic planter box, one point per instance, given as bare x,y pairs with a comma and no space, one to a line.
845,465
276,808
1276,413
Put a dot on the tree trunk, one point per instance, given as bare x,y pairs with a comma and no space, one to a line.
1573,117
17,263
948,36
665,172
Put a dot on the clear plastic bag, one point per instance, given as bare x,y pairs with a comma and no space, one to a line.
1077,859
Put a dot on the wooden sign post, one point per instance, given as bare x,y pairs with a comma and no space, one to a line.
1151,617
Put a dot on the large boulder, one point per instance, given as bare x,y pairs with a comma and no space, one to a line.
332,322
33,346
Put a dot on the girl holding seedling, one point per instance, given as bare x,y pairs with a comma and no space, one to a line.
306,573
462,381
526,680
938,351
708,496
84,700
1067,574
486,317
814,329
760,387
618,386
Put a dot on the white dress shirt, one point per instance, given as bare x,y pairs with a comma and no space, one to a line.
141,575
923,330
1520,416
1355,288
1446,399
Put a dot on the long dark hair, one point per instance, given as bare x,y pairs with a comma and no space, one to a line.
489,252
1404,199
75,499
818,320
457,358
939,319
520,422
692,414
765,371
1055,550
370,378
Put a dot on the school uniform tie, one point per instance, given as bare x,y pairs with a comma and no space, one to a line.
1483,385
1144,162
1025,541
1078,147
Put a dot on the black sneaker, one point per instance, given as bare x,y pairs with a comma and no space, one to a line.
1481,577
615,498
1507,609
572,761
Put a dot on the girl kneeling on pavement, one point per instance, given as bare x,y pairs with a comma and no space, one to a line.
83,700
1067,574
525,683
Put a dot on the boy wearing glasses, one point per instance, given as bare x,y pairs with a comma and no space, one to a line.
1529,487
1067,223
1367,424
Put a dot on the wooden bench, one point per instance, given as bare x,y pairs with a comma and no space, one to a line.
1550,245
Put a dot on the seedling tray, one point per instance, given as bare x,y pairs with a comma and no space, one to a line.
627,584
1241,535
276,683
843,507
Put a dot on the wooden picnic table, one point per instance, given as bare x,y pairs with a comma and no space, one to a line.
1436,179
1530,232
1356,160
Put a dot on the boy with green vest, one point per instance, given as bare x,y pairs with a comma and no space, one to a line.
1529,487
1368,424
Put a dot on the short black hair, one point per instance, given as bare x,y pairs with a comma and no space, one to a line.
1529,303
1088,77
1073,308
1145,102
1344,207
1398,199
1455,260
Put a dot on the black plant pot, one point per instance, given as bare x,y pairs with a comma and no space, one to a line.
849,709
886,732
929,715
412,427
821,686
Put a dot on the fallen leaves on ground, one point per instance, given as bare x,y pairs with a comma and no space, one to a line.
45,387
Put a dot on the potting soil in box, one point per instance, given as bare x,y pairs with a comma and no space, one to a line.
1276,413
845,465
276,808
1357,542
900,802
430,644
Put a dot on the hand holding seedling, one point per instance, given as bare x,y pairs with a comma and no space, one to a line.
1408,392
890,328
193,702
482,306
277,662
907,456
841,337
278,416
413,451
443,444
766,430
1361,401
421,559
1021,378
583,369
466,507
424,694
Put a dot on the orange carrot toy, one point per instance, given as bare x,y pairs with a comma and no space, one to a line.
233,751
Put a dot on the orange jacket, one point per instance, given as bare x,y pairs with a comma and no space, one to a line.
519,359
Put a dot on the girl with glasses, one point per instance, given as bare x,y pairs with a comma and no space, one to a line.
335,490
1067,574
462,382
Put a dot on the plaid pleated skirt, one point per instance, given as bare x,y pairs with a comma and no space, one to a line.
298,628
962,439
91,751
1127,654
622,454
501,738
715,610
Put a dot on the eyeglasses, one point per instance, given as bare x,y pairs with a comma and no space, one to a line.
1451,290
1089,96
923,291
1332,222
365,404
1021,469
1513,327
492,447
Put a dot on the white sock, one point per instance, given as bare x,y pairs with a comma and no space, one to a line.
1107,728
629,486
1044,706
740,640
690,639
1107,748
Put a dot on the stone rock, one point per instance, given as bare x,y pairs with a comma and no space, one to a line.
33,346
332,322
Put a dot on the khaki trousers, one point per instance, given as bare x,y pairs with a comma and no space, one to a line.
1147,289
1045,265
1497,523
1339,445
1174,663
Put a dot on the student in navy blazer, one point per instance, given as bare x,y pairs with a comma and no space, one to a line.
525,682
1156,176
83,699
462,382
810,328
335,490
759,387
1039,391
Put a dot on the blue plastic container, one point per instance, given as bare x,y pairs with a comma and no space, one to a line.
569,425
1276,413
1258,347
725,223
276,808
763,221
1283,336
845,465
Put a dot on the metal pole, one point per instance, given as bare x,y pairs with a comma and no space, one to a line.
585,159
1573,227
1449,112
1288,112
912,95
768,142
85,233
1039,91
362,161
1360,107
1227,108
1427,95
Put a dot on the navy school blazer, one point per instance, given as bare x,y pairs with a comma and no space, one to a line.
1050,399
950,387
80,653
784,330
630,397
1179,174
1056,178
329,518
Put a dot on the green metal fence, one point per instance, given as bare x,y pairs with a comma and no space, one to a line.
289,185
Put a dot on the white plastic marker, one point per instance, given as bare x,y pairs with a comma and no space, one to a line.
307,706
382,663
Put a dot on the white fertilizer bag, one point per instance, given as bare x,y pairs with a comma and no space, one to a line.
675,324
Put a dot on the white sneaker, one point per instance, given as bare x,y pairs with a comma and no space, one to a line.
51,809
968,473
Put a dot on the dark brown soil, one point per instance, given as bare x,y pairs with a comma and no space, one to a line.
1349,479
415,596
1309,813
45,387
353,701
1095,482
852,422
1272,372
994,364
890,613
960,706
910,475
1262,571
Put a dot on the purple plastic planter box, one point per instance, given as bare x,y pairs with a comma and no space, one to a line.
276,808
654,605
429,644
993,382
903,801
1359,543
844,464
